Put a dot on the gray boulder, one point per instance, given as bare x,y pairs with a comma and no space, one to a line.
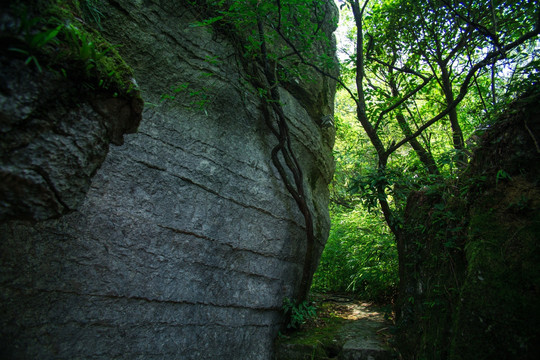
186,240
55,133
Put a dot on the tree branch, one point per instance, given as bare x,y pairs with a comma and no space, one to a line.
492,56
402,100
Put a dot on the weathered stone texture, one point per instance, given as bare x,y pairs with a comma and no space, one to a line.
55,133
469,256
187,241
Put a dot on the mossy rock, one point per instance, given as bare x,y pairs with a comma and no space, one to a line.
319,343
498,316
56,35
478,297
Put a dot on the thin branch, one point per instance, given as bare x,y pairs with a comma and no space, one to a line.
402,100
402,70
475,77
315,67
480,28
532,137
493,55
461,44
364,7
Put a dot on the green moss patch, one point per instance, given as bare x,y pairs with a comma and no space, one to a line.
59,36
337,323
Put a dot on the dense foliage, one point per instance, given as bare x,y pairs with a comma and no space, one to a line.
419,81
422,77
360,257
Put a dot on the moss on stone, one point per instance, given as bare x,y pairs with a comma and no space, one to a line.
498,315
469,271
314,342
319,335
78,51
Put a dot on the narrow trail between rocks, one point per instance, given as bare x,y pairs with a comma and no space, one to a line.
346,329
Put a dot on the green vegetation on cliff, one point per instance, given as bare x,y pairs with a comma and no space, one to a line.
63,36
284,44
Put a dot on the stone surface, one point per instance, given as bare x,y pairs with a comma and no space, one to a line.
469,258
365,349
55,133
187,241
361,337
354,331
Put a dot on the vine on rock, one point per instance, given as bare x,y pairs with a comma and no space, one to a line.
277,37
295,187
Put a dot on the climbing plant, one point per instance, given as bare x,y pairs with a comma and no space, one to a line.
277,40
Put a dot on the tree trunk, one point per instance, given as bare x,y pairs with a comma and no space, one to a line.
425,156
363,119
457,133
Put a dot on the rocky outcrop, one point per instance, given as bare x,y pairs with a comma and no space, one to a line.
186,241
55,133
469,254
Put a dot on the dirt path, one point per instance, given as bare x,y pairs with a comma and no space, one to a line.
346,329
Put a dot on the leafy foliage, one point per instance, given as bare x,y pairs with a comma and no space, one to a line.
299,313
418,82
360,257
421,78
34,41
52,35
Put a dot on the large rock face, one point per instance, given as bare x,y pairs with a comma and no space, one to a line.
469,254
187,241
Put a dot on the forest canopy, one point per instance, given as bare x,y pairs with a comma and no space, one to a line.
420,81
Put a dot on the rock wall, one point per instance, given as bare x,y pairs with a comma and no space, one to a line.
55,135
469,254
186,241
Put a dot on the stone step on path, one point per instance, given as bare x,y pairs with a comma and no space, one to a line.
364,343
360,336
363,337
